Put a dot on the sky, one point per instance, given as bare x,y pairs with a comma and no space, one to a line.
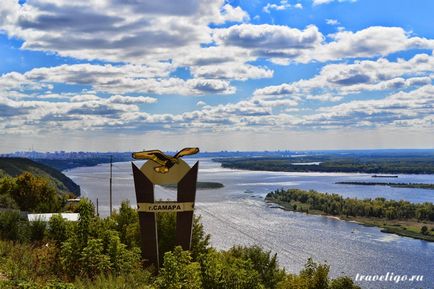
126,75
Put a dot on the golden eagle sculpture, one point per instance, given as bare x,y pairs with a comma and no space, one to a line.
165,161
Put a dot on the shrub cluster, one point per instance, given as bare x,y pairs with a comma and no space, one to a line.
30,193
104,253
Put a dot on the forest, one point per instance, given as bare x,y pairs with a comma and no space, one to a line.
401,217
14,167
351,163
104,253
394,185
335,205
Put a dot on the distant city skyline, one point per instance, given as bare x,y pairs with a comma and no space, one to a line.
110,75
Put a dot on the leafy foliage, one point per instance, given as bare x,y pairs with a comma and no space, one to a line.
335,204
263,262
14,167
104,253
224,270
13,226
30,193
179,272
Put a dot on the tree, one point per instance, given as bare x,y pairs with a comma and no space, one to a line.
263,262
38,230
93,261
199,240
343,283
424,230
58,229
35,194
7,185
316,274
179,272
87,214
127,222
6,201
13,226
122,260
221,270
166,227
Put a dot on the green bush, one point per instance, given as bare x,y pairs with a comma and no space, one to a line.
38,230
30,193
58,229
224,270
14,227
103,254
7,202
263,262
179,272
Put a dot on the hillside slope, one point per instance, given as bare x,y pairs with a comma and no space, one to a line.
15,166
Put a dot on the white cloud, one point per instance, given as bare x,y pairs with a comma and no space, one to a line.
414,108
234,14
151,41
267,36
211,86
332,22
155,35
125,99
232,70
321,2
343,79
122,79
86,112
283,45
279,7
369,42
85,98
115,30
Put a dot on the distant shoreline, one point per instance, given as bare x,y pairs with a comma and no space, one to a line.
397,228
393,185
377,167
409,227
201,185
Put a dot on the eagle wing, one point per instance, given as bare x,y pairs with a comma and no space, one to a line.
186,152
155,155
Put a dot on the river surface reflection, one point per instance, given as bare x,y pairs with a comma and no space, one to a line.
237,214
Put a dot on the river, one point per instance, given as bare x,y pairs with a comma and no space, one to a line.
237,214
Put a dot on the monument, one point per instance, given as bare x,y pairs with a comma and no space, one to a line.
161,169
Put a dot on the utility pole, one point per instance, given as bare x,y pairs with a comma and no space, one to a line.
111,174
97,207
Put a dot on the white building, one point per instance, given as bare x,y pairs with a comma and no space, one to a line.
46,217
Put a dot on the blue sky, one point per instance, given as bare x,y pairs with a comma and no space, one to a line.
221,75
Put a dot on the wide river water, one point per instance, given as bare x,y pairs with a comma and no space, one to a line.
237,214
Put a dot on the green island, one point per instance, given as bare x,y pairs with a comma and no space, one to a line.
201,185
351,163
394,185
399,217
100,253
